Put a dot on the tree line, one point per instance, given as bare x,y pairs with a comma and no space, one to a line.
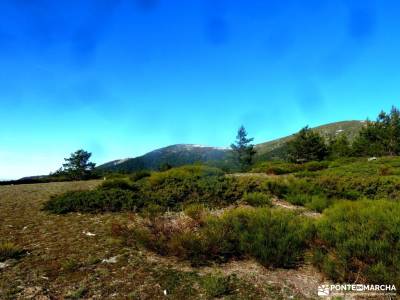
376,138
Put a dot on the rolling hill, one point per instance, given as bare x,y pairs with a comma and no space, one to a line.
175,155
275,149
181,154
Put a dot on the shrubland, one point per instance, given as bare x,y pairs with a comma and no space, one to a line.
274,237
316,185
360,242
170,190
355,240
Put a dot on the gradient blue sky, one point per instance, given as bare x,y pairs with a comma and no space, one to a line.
121,78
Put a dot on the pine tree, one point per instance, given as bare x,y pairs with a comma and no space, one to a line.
78,166
392,124
307,145
381,137
339,146
243,149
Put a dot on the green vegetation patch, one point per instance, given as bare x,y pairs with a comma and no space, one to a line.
93,201
173,189
9,250
360,242
257,199
274,237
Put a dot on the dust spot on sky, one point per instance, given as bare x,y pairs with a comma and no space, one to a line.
217,31
361,23
278,43
310,99
146,5
52,25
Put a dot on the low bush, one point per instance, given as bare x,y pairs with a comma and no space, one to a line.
139,175
277,168
196,211
94,201
330,188
356,187
274,237
179,187
9,250
318,203
218,285
298,199
173,189
281,168
360,242
313,166
257,199
385,171
70,265
119,183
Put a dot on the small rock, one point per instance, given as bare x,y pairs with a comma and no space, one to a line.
7,263
111,260
88,233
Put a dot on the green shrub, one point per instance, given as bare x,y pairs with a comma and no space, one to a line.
10,250
70,265
318,203
313,166
299,191
196,211
152,210
385,170
218,285
172,189
168,190
94,201
274,237
298,199
257,199
139,175
355,187
278,188
122,184
175,187
360,241
277,168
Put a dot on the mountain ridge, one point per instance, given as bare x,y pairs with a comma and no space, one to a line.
180,154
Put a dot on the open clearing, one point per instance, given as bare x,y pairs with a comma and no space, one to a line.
75,256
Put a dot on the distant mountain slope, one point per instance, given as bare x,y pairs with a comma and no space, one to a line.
276,148
181,154
175,155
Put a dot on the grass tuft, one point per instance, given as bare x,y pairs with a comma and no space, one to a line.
9,250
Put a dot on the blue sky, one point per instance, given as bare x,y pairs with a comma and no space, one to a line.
121,78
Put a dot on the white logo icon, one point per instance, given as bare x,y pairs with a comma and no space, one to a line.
323,290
